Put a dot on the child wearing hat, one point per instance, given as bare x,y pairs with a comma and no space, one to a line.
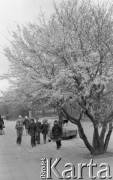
57,134
32,132
38,130
19,129
44,129
26,124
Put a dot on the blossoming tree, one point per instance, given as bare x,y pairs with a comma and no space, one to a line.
69,59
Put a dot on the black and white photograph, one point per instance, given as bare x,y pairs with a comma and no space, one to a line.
56,89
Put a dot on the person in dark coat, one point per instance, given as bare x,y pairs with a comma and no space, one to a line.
32,132
44,129
19,128
26,123
38,130
49,132
1,125
57,134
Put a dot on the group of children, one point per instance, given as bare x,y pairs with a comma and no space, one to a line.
34,129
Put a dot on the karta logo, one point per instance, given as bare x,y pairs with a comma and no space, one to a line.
49,169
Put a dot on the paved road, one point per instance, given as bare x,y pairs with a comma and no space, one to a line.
23,162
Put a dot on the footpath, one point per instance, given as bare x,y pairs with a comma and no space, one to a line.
23,162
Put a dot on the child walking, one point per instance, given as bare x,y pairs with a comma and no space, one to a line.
32,132
19,128
44,130
26,124
38,130
57,134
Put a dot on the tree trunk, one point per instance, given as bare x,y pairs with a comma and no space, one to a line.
98,141
94,143
98,148
108,137
102,135
98,145
84,138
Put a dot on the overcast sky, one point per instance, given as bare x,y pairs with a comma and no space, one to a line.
18,12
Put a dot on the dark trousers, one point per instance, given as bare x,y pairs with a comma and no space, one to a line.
19,139
38,137
33,141
58,143
44,138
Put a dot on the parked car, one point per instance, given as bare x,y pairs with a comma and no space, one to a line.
68,133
